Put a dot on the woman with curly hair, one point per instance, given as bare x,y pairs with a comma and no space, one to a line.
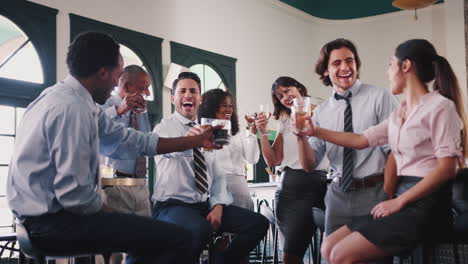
241,148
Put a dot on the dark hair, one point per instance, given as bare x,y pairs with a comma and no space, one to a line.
284,81
186,75
211,102
429,66
90,51
321,66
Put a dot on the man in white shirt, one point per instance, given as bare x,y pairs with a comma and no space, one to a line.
53,170
190,188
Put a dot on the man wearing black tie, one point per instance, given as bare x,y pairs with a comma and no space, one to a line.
358,179
190,189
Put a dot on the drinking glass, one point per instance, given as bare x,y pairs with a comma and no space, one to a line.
144,109
264,109
301,108
221,136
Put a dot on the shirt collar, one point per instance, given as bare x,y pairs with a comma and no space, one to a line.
182,119
354,89
80,91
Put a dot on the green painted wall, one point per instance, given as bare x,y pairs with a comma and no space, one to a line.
344,9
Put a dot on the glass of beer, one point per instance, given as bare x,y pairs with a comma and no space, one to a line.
301,108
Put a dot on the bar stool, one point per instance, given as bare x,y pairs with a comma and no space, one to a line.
29,251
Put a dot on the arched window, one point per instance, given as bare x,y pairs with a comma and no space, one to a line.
215,70
209,78
18,57
27,51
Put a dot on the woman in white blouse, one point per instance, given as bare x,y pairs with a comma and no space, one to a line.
241,148
299,191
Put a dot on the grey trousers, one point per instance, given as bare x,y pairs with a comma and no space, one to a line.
341,207
129,200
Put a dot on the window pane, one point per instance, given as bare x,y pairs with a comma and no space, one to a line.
208,77
3,180
25,64
19,115
129,58
212,79
6,217
6,145
7,115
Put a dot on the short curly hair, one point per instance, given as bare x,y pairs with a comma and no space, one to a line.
212,99
90,51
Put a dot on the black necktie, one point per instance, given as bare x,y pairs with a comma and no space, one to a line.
348,162
199,168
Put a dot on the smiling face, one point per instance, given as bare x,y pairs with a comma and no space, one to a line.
225,109
187,98
286,95
342,69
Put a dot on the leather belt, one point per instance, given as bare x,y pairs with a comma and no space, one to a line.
366,182
123,181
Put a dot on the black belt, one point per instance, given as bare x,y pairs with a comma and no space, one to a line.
366,182
125,175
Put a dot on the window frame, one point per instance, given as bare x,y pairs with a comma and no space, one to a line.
39,23
223,65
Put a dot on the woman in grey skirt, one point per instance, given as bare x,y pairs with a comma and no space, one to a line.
299,191
427,135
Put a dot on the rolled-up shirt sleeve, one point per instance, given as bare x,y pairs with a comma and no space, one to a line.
218,191
120,142
377,135
74,183
445,130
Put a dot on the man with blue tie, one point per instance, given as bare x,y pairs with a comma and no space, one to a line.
52,179
190,188
127,191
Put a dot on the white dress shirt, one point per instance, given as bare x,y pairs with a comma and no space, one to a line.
55,160
370,105
241,149
175,176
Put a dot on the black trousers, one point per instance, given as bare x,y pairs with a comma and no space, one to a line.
146,239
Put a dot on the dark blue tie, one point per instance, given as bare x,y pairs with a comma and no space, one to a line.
199,168
348,162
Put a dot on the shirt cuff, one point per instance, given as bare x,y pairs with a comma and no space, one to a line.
214,201
373,141
152,144
111,112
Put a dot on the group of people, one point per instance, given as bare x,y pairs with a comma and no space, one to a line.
390,165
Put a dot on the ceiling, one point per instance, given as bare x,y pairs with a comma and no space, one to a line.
344,9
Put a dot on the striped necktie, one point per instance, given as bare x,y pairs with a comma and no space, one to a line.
348,162
140,162
199,168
